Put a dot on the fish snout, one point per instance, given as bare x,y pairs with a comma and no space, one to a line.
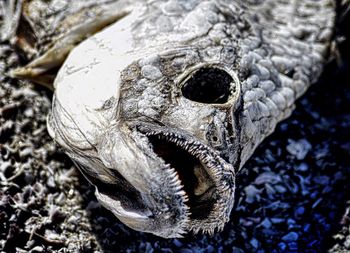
164,181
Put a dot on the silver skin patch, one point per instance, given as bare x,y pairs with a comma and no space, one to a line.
160,103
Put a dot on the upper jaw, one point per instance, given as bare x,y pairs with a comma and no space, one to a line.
196,173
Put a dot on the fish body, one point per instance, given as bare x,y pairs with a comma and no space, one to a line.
162,102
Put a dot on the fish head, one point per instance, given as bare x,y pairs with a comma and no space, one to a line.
175,131
166,156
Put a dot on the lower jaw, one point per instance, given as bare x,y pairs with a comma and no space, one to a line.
209,210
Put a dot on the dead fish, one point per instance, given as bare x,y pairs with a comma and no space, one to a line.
161,102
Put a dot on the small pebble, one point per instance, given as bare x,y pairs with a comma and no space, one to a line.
237,250
299,149
149,248
29,112
56,215
277,220
60,200
302,167
267,177
300,211
306,227
37,249
280,188
210,249
177,243
282,246
317,202
252,193
290,237
185,250
266,223
255,243
26,152
293,246
322,180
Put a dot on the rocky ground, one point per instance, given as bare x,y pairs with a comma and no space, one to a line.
292,196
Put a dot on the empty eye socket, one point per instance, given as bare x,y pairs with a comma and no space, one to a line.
208,85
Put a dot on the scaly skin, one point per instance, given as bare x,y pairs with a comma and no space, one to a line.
127,108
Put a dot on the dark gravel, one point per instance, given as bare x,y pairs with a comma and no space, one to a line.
292,196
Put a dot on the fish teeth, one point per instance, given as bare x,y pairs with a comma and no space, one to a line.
212,162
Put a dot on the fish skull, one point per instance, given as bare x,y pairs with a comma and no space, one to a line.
149,119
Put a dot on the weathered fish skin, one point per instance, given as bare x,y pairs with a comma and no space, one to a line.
160,109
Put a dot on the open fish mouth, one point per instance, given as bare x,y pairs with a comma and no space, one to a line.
206,180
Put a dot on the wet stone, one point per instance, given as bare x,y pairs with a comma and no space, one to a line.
237,250
277,220
280,189
282,246
306,228
255,243
252,193
292,224
347,242
37,249
302,167
322,180
186,251
290,237
293,246
267,177
177,243
266,223
299,148
299,211
210,249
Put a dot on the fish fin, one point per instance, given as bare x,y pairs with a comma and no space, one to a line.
46,80
11,11
54,57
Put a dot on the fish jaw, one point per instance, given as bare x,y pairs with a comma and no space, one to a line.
173,183
136,167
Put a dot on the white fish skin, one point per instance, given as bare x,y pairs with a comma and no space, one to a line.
160,108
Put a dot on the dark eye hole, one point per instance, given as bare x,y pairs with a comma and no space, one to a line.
208,85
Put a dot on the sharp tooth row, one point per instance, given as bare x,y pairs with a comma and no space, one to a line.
175,184
196,149
212,162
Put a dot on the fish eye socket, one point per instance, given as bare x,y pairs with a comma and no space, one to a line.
208,85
